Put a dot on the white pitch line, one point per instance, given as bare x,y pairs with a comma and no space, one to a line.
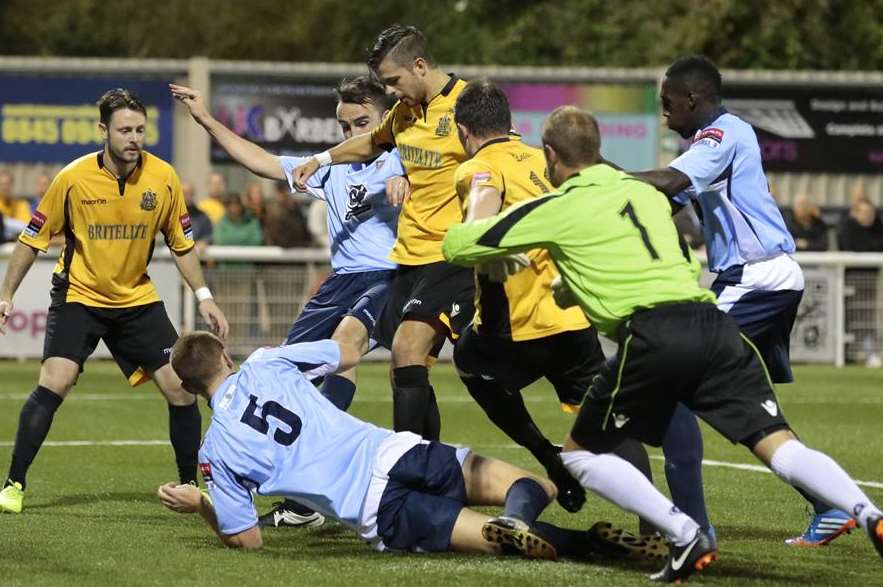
705,462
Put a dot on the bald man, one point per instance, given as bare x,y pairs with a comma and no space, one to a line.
614,242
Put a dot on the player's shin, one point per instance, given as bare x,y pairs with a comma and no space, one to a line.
819,475
525,500
413,397
623,485
185,427
33,426
682,448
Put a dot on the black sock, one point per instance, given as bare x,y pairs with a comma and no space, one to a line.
634,452
507,410
568,543
339,391
432,419
525,500
413,398
185,428
33,426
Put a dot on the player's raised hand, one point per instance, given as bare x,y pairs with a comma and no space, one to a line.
5,310
192,99
214,317
183,499
302,173
398,189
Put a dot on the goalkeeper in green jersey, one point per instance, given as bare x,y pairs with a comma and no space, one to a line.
618,252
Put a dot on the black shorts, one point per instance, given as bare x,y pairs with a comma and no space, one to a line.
140,338
568,360
691,353
439,293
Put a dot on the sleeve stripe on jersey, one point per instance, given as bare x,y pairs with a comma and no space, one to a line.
497,232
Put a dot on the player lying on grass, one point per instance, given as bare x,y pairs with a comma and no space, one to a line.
619,253
362,219
273,433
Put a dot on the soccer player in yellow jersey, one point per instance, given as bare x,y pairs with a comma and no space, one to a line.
519,334
430,299
110,206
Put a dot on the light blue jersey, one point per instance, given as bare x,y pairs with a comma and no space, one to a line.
740,219
361,224
273,433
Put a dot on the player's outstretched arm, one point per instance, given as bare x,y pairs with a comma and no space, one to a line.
191,271
23,257
669,181
352,150
484,202
533,224
244,152
188,499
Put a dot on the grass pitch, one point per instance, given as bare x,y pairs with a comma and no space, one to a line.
91,516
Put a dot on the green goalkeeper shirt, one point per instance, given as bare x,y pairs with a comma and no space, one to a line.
611,236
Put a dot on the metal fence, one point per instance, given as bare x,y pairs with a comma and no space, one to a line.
262,290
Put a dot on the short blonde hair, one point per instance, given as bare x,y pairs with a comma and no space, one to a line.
574,135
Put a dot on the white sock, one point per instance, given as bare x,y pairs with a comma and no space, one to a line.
619,482
818,474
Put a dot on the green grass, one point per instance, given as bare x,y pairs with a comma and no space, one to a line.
91,516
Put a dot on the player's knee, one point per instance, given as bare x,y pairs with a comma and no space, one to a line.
59,376
353,332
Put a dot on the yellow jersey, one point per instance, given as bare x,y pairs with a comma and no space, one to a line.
430,150
522,308
213,208
110,225
16,208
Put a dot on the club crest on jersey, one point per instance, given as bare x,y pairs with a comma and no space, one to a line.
710,136
444,126
148,200
36,224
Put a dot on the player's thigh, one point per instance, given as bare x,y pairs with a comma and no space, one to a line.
323,312
414,341
574,358
367,307
422,498
488,480
169,385
141,340
511,363
657,363
72,333
767,318
736,396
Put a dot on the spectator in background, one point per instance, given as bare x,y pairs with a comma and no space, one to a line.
862,231
237,227
41,184
805,224
199,220
285,224
213,202
239,290
254,201
11,207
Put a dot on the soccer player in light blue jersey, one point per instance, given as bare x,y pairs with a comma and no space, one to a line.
273,433
362,220
749,247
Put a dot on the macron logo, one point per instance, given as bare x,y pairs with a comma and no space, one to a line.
771,408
